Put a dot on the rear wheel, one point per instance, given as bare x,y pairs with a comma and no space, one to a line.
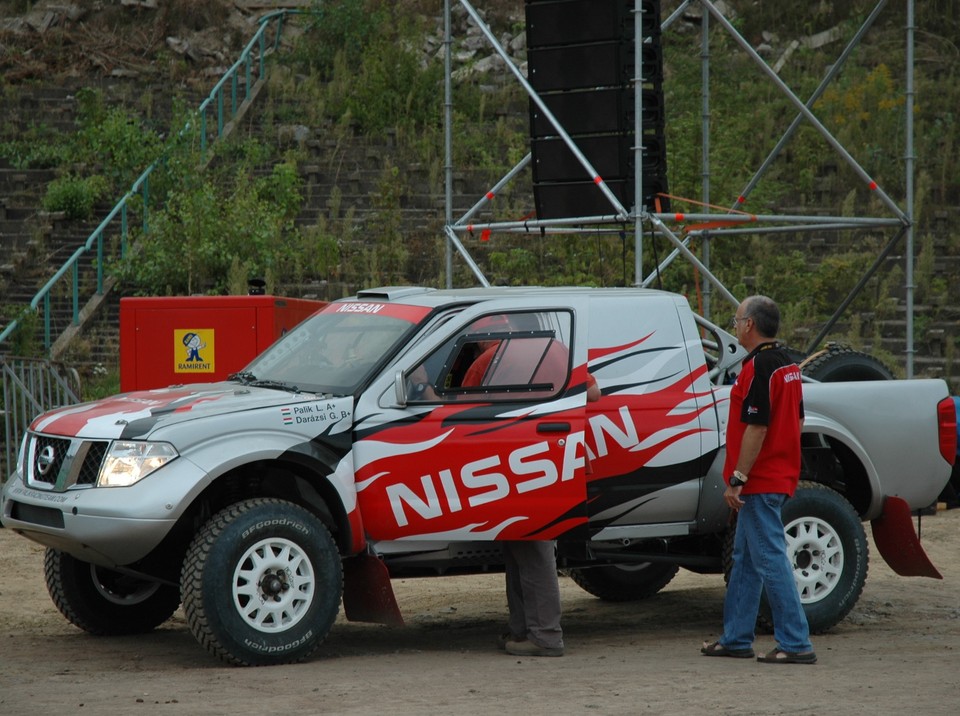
827,546
624,583
262,583
102,601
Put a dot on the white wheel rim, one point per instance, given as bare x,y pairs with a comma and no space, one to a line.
273,585
816,554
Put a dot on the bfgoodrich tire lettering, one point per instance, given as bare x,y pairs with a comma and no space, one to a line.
261,583
101,601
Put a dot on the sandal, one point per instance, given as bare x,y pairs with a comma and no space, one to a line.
779,656
718,649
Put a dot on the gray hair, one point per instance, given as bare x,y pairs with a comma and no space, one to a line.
765,315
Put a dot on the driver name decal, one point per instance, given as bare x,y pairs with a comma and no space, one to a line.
317,412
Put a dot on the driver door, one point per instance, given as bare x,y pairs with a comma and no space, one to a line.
487,441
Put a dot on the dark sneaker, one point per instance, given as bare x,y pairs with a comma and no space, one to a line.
528,648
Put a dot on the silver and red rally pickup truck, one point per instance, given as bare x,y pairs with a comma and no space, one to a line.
353,451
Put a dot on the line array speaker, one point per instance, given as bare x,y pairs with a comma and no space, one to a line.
581,63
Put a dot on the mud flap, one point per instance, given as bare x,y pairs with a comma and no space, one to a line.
898,543
367,593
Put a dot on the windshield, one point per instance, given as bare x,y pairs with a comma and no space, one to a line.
335,350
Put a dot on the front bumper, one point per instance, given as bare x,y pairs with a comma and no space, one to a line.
109,527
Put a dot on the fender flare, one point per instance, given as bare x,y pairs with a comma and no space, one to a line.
820,425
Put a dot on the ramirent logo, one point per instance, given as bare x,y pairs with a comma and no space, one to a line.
360,308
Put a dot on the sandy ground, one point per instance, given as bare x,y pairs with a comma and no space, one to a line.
896,653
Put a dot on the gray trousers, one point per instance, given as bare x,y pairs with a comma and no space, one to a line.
533,592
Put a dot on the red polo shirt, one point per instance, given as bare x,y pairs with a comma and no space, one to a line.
767,392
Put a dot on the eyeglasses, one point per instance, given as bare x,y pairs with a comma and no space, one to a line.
736,320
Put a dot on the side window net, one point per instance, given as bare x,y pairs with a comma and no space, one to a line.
516,362
515,356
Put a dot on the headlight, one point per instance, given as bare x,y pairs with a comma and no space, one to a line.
128,462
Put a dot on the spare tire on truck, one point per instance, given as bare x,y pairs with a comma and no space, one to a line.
837,363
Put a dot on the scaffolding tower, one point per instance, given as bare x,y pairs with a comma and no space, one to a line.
896,221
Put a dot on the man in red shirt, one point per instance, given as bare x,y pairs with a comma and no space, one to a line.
763,469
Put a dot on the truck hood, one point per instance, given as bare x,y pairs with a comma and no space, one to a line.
135,415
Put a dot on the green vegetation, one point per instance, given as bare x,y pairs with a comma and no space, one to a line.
74,195
24,341
211,223
360,74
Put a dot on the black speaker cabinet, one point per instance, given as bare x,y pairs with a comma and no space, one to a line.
581,63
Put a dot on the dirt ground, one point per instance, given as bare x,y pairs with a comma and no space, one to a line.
897,652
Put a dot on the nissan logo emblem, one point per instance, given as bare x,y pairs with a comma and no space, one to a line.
45,460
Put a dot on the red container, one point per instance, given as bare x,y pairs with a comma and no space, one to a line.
199,339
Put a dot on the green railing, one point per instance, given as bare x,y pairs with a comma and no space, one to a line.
228,88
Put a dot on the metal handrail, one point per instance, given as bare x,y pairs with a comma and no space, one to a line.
31,386
142,184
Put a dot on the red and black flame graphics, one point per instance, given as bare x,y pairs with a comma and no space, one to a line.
644,423
475,472
483,471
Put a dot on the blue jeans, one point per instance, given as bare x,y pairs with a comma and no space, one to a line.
760,563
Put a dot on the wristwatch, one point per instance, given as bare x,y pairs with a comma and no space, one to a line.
738,479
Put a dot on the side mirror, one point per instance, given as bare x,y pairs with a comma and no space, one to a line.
400,389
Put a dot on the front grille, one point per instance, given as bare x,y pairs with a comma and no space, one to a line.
47,458
92,461
60,463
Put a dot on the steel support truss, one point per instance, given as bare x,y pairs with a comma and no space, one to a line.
897,221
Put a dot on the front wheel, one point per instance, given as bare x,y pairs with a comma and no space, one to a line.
104,602
262,583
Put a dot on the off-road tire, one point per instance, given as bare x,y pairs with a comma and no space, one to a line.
104,602
624,583
262,583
